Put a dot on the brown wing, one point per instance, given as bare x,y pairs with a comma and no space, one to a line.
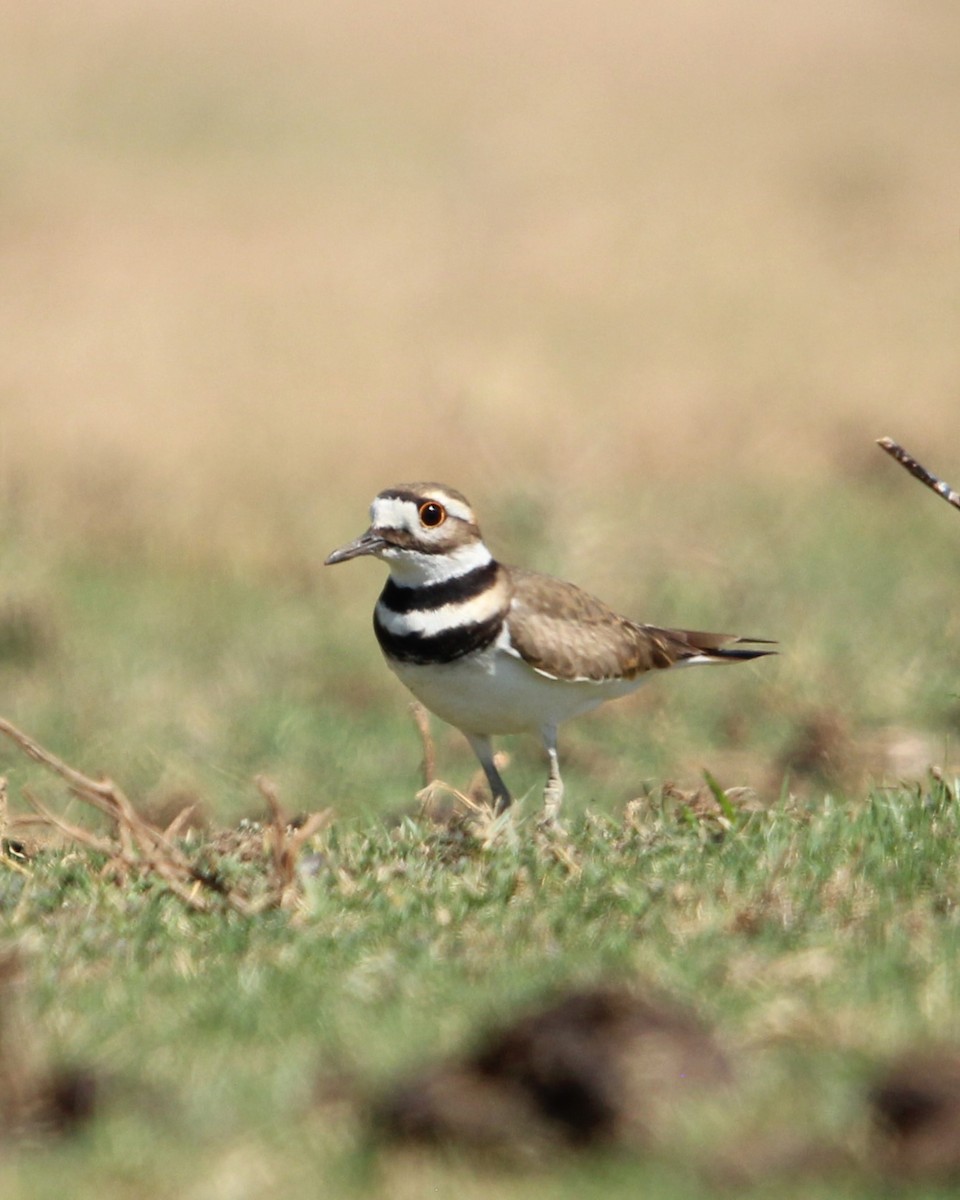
566,633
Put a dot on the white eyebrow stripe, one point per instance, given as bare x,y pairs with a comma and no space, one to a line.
456,509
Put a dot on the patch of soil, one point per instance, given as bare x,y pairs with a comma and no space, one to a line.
600,1066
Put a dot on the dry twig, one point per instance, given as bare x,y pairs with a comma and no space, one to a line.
141,847
895,450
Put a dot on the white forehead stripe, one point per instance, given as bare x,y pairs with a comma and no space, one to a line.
389,512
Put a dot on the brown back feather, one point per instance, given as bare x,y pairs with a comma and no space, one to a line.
566,633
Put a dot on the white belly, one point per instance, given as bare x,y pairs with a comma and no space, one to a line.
496,692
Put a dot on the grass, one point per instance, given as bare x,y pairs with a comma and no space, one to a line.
816,939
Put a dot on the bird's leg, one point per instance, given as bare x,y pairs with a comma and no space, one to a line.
483,749
553,792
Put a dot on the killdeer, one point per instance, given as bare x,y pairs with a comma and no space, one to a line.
496,649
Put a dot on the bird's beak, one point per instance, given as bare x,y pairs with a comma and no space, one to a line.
367,543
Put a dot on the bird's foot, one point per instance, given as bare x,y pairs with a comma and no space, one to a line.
552,800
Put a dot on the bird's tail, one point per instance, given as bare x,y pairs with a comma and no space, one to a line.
700,647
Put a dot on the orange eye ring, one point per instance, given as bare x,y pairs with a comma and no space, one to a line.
432,514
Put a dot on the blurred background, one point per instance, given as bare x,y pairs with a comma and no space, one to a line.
644,280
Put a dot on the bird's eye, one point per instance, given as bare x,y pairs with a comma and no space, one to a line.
432,514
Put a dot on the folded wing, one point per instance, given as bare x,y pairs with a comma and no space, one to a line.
565,633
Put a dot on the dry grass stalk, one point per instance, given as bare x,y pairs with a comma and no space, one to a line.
139,846
476,817
286,840
489,827
895,450
421,718
4,832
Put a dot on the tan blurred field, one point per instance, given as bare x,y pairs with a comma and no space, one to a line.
272,259
645,281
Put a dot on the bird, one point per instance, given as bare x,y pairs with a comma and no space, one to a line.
495,649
